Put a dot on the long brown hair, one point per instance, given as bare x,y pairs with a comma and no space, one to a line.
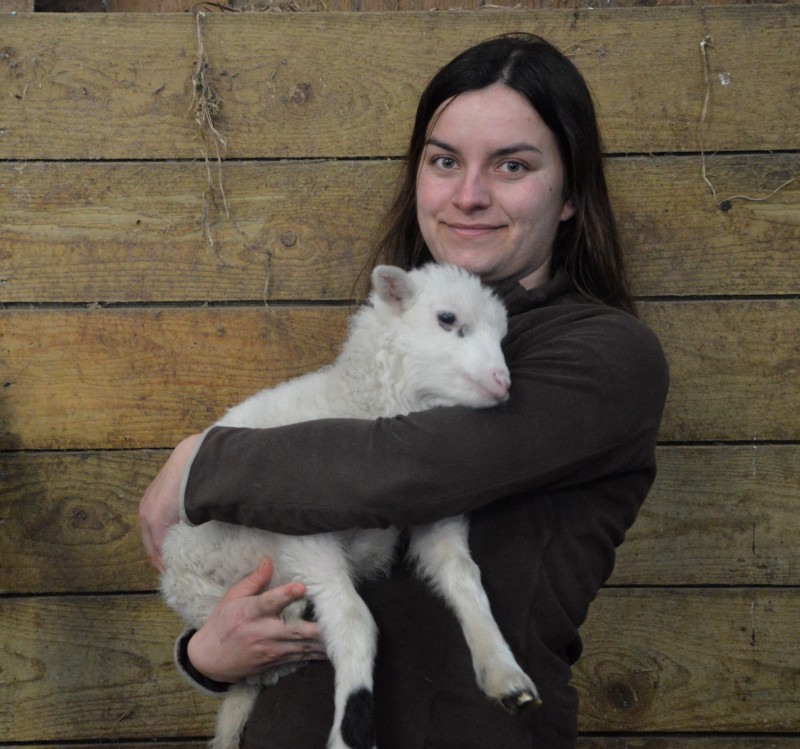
587,245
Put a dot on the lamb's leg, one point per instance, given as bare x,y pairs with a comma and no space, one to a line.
350,636
442,554
233,714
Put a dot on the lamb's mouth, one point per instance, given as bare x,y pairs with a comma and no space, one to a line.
496,395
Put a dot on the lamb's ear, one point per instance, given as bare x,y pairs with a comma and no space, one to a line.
392,285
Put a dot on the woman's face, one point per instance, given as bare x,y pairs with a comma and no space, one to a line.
490,187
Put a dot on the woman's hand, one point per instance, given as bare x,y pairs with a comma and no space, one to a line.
160,505
245,634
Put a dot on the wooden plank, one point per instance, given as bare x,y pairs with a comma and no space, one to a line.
379,6
684,741
143,377
721,515
717,515
151,744
679,243
123,378
708,660
130,232
16,6
299,98
733,369
70,524
100,668
428,5
136,232
630,741
94,668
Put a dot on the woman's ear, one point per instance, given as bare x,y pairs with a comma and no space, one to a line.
567,210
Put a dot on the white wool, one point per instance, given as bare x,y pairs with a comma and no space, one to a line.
425,338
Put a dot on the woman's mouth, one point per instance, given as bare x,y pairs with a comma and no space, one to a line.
472,231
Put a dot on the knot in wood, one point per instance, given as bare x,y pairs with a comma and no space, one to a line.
300,94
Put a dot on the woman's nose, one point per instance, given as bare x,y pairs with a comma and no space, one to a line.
472,192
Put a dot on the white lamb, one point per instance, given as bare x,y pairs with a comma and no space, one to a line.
429,337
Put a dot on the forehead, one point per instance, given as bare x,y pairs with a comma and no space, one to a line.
496,114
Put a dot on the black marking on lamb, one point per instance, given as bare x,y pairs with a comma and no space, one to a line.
358,724
309,614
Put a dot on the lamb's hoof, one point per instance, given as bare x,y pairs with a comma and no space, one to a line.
516,702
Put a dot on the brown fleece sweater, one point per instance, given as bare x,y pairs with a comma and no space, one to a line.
552,480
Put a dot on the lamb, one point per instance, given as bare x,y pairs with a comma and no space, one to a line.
425,338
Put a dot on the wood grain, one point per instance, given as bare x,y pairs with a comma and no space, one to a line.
149,232
94,668
722,515
691,660
141,377
584,742
733,368
717,515
68,100
378,6
100,668
136,232
112,378
136,304
70,523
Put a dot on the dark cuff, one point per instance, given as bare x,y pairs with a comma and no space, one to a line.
190,673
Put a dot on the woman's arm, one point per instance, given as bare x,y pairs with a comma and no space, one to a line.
587,393
160,506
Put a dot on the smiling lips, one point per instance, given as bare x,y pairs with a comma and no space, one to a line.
472,231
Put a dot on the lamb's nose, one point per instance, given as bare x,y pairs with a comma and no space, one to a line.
502,381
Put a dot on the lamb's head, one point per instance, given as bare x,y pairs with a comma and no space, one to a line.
444,329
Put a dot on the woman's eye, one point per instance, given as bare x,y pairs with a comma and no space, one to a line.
446,320
513,167
445,162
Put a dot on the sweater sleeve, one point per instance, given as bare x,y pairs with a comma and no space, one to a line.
588,389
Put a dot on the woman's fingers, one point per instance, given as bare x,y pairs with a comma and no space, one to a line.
252,584
273,602
246,634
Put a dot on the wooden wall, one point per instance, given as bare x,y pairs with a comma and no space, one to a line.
143,289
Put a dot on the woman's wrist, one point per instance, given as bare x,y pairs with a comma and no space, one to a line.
190,672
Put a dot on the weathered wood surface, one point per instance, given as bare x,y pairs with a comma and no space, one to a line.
584,742
687,742
16,6
733,369
136,232
140,377
717,515
299,96
94,668
116,378
378,6
85,650
691,660
70,524
657,660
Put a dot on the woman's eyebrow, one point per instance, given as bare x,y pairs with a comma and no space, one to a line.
516,148
504,151
441,144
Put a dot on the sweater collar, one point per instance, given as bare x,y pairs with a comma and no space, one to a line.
518,299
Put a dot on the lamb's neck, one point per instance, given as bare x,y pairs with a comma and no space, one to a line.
373,378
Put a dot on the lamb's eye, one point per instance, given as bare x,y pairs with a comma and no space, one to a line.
446,319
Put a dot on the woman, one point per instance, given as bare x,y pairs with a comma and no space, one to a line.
503,177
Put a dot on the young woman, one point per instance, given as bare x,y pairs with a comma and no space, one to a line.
503,177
